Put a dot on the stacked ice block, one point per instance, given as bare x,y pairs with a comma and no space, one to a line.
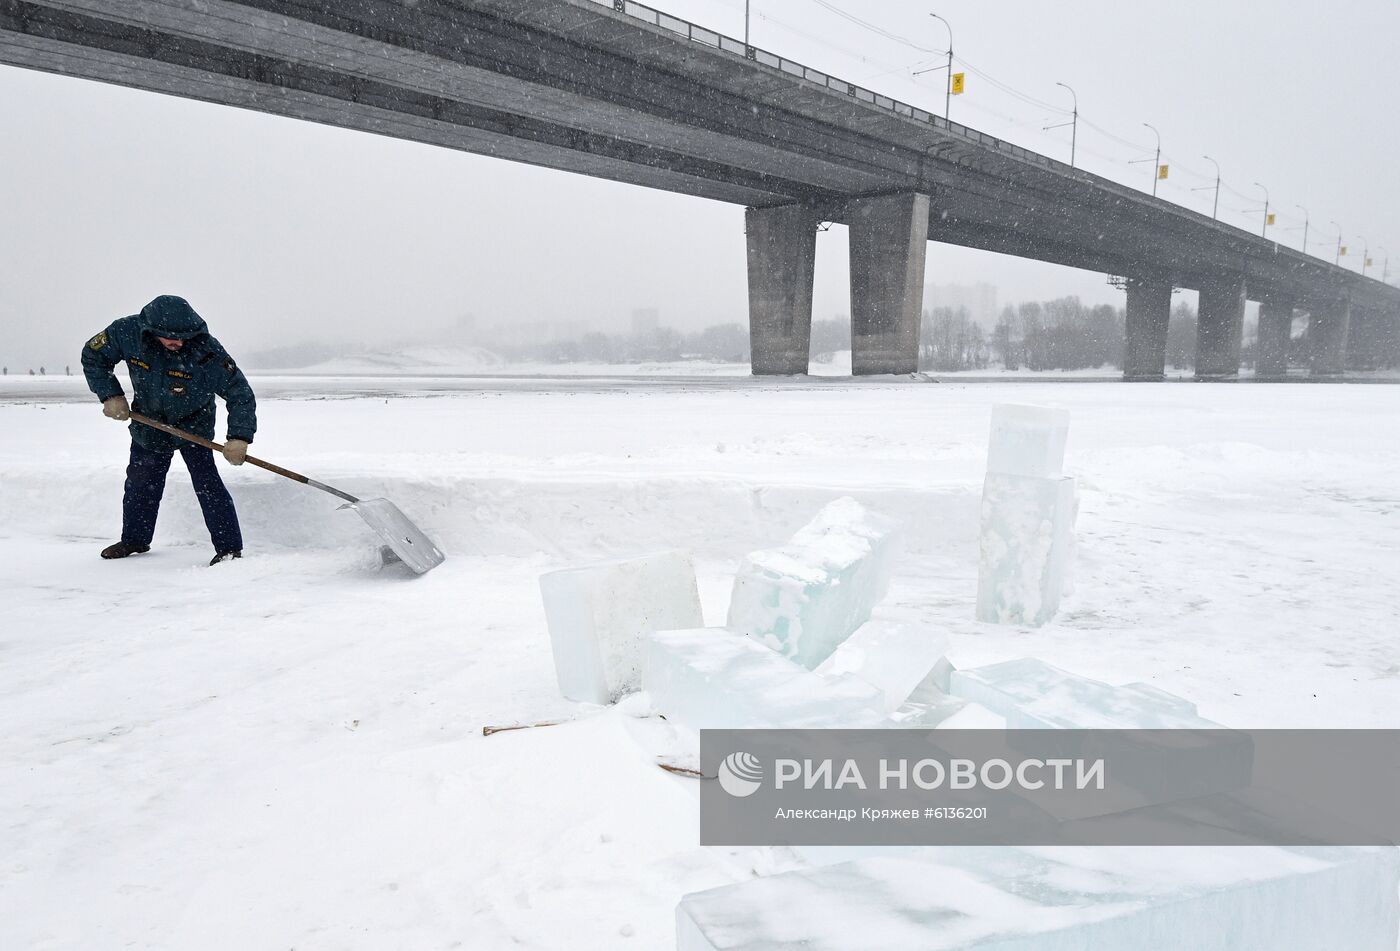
803,605
804,598
1027,517
599,616
1066,899
1027,440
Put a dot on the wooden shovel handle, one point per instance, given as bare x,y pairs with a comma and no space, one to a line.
218,447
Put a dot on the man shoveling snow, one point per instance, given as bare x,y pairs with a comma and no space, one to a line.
176,370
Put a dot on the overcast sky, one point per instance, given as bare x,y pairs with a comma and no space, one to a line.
279,230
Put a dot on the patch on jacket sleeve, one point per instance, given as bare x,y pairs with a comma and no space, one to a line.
98,342
132,361
229,365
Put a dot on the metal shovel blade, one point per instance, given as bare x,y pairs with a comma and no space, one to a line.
403,537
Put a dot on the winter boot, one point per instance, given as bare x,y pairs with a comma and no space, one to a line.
226,556
122,549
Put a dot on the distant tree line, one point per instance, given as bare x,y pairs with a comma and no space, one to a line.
950,340
1059,334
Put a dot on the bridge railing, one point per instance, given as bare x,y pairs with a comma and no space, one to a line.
714,40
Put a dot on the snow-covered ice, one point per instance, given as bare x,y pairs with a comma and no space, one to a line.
600,614
286,751
1061,899
715,679
1027,547
890,655
804,598
1027,440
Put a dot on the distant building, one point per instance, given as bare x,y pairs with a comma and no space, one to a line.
979,300
645,320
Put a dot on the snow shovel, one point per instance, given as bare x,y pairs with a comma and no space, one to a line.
404,539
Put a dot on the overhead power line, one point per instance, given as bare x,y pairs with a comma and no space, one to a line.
874,28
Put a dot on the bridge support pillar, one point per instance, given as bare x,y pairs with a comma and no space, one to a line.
782,251
1328,329
1275,333
1145,339
889,241
1219,326
1387,339
1364,340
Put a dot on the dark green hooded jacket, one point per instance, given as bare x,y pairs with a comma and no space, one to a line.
176,387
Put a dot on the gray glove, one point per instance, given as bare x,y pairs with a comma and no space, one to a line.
116,407
235,451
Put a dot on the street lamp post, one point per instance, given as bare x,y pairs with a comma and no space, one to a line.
1215,209
948,79
1305,227
1338,259
1073,124
1157,161
1364,251
1265,232
746,24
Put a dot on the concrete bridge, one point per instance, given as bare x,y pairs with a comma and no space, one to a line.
617,90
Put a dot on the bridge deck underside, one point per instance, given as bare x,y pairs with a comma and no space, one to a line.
570,85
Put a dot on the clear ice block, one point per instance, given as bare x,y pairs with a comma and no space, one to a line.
1033,695
806,597
1027,440
1151,766
599,616
945,713
1027,546
1061,899
713,678
895,657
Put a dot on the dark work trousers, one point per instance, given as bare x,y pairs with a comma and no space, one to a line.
145,483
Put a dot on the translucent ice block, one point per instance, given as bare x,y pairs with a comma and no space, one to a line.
895,657
1026,548
1064,899
1033,695
1027,440
804,598
599,616
946,713
1150,766
716,679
